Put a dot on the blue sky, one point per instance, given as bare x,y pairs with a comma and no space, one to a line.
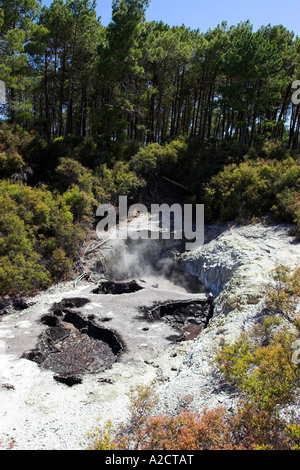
205,14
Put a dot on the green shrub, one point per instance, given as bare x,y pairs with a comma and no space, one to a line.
117,181
283,296
80,203
70,172
60,265
261,365
273,148
38,238
242,191
156,160
13,139
22,274
252,189
10,164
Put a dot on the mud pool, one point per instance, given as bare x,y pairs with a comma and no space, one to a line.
116,321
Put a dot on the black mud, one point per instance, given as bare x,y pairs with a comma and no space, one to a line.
112,287
188,317
73,345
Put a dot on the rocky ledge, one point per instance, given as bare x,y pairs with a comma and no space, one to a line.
236,267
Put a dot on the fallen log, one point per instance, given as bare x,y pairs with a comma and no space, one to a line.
176,183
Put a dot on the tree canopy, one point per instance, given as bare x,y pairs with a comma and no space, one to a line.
144,81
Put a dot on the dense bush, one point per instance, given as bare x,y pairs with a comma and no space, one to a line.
157,160
261,365
10,164
117,181
13,139
254,188
38,239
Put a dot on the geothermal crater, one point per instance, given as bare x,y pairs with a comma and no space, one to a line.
133,338
77,341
